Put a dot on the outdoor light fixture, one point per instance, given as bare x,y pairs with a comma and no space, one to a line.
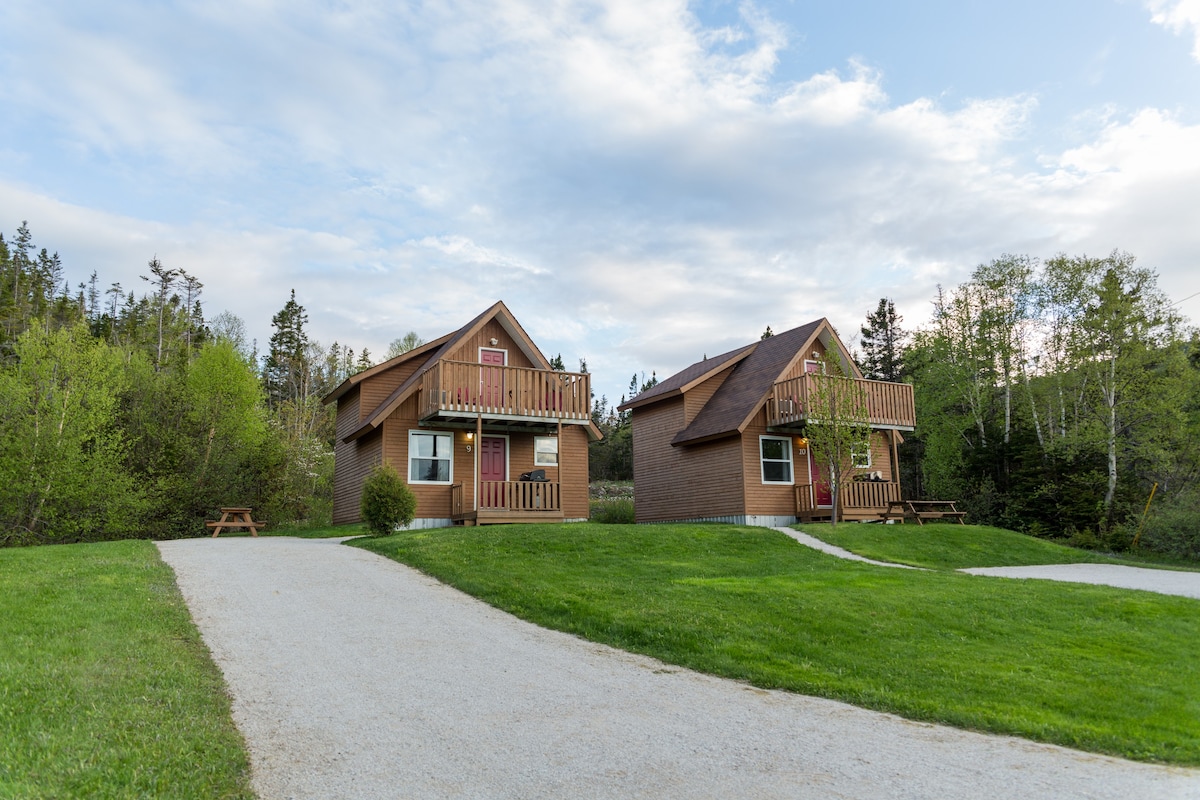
470,436
493,342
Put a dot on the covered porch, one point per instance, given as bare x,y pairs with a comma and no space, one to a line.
857,501
508,501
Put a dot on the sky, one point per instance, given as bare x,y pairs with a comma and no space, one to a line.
643,182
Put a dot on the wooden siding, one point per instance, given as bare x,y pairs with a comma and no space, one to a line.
352,461
377,388
695,399
468,348
797,369
681,482
772,499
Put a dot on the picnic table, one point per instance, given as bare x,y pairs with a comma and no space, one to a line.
922,510
233,518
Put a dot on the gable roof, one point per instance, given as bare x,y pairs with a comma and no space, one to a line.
756,368
434,352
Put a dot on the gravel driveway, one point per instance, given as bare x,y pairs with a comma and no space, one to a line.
356,677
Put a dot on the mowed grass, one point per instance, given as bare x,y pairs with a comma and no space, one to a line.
106,690
1095,668
950,546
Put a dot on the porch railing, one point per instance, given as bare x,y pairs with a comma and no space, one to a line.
852,496
888,404
468,388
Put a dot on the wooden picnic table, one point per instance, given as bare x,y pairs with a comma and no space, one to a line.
922,510
233,518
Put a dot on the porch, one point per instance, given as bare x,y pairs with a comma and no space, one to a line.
464,392
889,405
508,501
857,500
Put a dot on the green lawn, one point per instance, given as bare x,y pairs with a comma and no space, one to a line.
949,546
1091,667
106,690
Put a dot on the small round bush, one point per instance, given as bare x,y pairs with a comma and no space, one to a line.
387,502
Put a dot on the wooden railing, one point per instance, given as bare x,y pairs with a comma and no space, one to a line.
853,495
520,495
888,404
467,388
457,507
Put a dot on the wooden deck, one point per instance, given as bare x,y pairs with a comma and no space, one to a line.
508,501
464,390
889,405
857,500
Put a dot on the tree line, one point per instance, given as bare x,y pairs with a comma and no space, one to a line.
126,413
1053,397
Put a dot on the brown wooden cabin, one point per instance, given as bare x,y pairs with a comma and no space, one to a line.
723,439
478,424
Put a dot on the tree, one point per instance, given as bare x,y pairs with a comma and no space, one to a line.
838,423
883,343
398,347
163,280
61,475
767,334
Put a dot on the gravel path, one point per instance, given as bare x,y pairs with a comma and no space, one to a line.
1163,581
356,677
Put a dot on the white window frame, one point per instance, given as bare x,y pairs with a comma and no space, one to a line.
538,454
762,460
856,453
412,450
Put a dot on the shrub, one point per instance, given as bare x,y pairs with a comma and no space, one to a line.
387,502
1174,527
615,511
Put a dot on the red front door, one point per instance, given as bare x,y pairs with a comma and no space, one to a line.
491,380
822,496
493,471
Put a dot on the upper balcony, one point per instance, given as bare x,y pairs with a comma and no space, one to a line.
889,405
464,390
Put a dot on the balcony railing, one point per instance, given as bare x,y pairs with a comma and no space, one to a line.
889,405
460,387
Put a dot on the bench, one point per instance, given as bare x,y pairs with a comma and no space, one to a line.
234,519
923,510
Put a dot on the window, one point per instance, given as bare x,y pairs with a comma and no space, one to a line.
429,457
545,451
860,455
776,452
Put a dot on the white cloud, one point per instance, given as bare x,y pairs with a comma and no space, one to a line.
1181,17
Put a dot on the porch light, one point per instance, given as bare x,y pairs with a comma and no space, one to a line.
470,436
493,342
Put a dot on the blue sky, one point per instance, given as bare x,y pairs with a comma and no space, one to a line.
643,182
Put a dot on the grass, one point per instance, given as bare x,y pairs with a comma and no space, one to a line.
945,546
1089,667
323,532
106,690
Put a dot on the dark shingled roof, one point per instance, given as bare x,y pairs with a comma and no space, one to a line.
756,368
678,382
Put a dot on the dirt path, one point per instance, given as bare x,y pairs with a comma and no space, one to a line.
355,677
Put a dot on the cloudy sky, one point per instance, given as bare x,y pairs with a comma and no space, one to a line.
642,181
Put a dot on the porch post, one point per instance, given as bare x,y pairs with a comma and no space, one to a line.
895,458
478,444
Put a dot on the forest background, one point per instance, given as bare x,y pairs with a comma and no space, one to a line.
1053,397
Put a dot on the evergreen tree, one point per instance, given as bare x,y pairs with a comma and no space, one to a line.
286,371
883,343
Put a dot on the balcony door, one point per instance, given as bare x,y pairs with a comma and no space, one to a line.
491,379
493,471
